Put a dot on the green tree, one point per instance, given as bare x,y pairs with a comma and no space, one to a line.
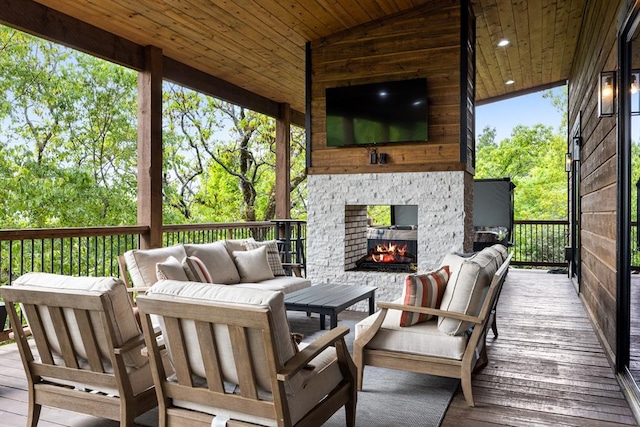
221,159
533,157
67,159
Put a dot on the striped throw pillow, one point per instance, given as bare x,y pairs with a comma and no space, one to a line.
423,290
196,270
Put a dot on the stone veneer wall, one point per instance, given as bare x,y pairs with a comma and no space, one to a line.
443,213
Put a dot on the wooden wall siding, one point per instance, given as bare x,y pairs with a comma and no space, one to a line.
596,52
425,42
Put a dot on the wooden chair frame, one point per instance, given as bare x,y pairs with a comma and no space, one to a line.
93,373
440,366
239,319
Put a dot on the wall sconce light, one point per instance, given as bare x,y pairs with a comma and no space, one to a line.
568,160
634,92
382,158
606,94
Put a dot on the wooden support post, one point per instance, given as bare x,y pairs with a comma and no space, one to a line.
150,148
283,163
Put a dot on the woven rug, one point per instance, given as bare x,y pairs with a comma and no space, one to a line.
388,397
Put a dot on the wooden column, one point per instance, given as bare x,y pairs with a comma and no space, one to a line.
150,148
283,163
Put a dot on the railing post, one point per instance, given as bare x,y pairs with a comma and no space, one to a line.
150,148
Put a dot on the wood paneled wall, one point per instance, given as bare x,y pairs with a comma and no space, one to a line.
597,51
424,42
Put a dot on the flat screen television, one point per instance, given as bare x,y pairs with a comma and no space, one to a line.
377,113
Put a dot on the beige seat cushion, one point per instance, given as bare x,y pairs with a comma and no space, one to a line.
423,338
197,292
466,290
286,284
118,303
218,261
141,263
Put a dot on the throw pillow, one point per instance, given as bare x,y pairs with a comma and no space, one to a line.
196,270
273,255
423,290
253,265
171,269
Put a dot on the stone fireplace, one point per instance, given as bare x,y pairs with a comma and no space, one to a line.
337,222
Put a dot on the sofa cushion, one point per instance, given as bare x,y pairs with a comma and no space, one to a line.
233,245
504,251
217,260
141,263
423,338
285,284
423,290
253,265
465,291
455,260
196,270
171,269
273,255
115,294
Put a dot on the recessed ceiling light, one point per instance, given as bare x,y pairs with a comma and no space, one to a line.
509,82
503,43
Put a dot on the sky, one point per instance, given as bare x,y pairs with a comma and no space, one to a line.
525,110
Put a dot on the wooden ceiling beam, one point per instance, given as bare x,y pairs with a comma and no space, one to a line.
41,21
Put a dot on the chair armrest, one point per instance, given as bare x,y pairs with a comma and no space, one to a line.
134,342
130,344
140,290
363,339
300,360
432,311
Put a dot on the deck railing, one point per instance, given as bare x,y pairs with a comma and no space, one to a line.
94,251
540,243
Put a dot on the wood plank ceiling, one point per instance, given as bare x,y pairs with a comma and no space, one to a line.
259,44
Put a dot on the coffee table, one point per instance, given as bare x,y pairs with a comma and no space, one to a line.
329,300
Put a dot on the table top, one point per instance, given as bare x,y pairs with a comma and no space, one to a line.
329,295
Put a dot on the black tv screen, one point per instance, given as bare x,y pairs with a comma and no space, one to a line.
377,113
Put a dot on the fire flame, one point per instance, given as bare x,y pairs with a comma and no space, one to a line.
388,252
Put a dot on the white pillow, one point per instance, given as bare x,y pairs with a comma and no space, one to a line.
273,255
253,265
171,269
217,260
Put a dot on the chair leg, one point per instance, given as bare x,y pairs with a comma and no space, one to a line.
359,370
483,359
350,410
466,389
494,326
34,410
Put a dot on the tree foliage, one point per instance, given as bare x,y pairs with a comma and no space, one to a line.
68,142
533,157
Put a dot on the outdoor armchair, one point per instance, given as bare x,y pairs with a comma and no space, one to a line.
235,362
87,356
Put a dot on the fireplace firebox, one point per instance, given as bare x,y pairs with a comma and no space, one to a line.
391,249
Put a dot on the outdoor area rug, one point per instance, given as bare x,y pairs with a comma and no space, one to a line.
388,397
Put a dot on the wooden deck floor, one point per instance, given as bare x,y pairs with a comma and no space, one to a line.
545,368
